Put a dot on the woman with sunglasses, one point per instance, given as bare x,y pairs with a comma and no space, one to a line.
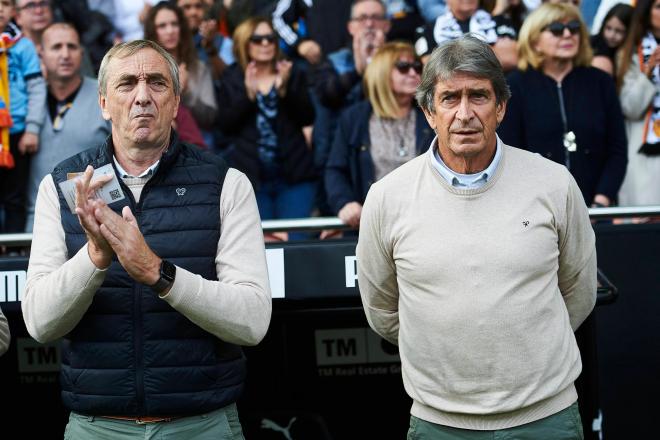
166,25
377,135
638,77
265,104
564,109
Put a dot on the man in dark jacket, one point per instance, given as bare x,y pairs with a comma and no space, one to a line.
153,293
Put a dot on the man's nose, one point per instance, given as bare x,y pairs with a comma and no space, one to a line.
464,111
142,93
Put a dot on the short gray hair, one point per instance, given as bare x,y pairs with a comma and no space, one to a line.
124,50
467,54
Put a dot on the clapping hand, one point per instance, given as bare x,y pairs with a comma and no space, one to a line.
99,249
251,82
283,68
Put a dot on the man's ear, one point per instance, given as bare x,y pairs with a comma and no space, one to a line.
430,118
103,103
177,100
500,111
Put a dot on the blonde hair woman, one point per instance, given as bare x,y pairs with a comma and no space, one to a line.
564,109
377,135
265,104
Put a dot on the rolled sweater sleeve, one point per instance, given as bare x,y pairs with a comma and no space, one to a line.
237,307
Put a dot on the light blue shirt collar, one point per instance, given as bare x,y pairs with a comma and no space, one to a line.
146,173
465,181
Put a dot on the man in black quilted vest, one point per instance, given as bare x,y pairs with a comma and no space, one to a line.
152,294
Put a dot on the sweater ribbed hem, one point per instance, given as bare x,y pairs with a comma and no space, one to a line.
490,422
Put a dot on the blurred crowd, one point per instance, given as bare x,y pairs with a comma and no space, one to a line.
314,100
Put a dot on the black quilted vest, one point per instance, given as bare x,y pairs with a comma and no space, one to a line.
132,354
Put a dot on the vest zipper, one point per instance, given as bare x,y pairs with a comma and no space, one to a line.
138,340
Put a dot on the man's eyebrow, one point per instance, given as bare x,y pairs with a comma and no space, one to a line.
469,91
127,77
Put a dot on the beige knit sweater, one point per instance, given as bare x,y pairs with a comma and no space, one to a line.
481,289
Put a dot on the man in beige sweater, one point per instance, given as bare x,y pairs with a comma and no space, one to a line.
478,260
152,295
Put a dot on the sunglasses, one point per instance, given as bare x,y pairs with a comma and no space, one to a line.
556,28
404,66
259,39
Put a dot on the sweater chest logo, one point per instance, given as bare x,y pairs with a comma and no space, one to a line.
180,191
525,223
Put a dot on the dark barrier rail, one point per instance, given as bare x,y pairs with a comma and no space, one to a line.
322,365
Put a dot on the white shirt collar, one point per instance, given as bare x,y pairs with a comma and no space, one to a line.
146,173
466,181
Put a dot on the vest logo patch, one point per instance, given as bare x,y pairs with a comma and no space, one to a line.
180,191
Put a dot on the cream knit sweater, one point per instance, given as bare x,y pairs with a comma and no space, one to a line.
481,289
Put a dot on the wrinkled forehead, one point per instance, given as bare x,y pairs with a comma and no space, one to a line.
143,63
462,82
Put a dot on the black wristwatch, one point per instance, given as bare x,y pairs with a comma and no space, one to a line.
167,275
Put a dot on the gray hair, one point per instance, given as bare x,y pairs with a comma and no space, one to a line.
467,54
124,50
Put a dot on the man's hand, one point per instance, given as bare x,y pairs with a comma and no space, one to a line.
125,238
350,214
208,29
251,83
601,200
310,50
29,143
98,248
283,68
365,44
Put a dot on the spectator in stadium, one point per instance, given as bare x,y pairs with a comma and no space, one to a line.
639,79
611,37
166,25
154,294
337,80
265,104
465,16
377,135
515,11
564,109
479,261
322,22
33,16
213,48
73,120
22,97
5,335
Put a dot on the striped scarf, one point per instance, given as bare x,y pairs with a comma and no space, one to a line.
8,38
652,124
